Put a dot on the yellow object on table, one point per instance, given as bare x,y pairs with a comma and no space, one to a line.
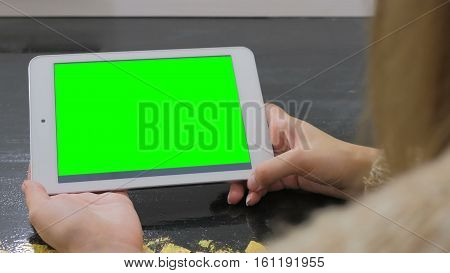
204,243
169,247
172,248
255,247
38,248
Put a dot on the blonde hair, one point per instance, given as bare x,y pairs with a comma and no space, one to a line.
409,80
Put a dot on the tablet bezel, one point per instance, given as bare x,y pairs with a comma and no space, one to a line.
43,128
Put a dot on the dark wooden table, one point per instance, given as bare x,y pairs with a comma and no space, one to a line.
288,51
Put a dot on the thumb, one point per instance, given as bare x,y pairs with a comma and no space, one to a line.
35,194
273,170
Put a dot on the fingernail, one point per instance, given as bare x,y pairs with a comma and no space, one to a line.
249,200
228,199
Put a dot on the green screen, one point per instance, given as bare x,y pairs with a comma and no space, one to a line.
158,114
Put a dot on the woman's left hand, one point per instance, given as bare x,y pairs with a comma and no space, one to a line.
84,222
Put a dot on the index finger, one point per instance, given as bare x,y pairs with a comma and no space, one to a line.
271,171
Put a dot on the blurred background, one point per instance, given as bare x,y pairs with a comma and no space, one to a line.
191,8
306,50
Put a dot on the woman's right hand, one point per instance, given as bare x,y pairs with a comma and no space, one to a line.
305,158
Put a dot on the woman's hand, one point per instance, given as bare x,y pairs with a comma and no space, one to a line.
306,158
84,222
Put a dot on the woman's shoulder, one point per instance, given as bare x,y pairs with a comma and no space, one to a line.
437,170
409,214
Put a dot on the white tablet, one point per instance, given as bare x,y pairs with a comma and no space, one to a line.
111,121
